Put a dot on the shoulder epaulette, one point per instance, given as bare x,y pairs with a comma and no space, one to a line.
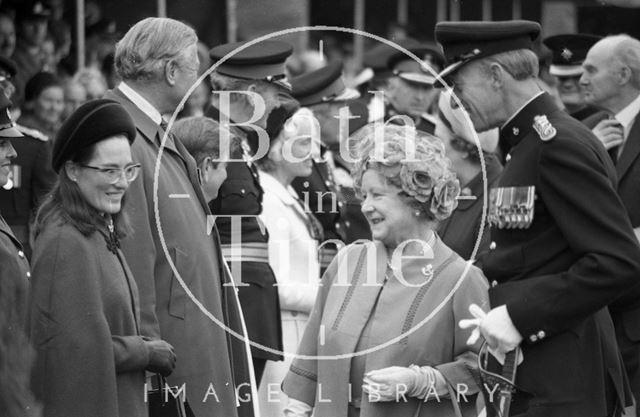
36,134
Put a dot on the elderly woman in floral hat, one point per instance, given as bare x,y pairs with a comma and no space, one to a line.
383,339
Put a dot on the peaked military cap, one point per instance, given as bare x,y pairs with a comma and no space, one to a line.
569,51
8,66
91,123
31,10
323,85
405,67
7,127
463,42
260,61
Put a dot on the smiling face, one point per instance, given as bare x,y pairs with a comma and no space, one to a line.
49,104
114,152
7,153
391,220
472,86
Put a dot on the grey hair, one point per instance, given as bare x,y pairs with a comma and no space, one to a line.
627,52
521,64
141,54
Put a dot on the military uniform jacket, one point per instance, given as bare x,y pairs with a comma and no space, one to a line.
14,276
460,231
32,178
557,269
241,194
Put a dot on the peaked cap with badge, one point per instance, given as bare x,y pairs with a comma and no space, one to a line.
463,42
7,127
562,248
569,51
404,66
323,85
261,61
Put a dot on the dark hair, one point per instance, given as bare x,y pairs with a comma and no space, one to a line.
65,203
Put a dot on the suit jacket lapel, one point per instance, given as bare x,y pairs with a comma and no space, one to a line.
630,151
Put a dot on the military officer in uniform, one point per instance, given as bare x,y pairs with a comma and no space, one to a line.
258,70
324,92
410,91
562,246
32,176
15,266
569,51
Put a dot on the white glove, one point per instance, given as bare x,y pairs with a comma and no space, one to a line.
497,329
393,383
297,408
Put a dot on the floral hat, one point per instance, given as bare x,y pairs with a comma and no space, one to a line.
411,160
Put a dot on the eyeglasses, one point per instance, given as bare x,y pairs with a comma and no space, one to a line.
113,175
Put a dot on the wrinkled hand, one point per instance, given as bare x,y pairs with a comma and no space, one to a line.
610,132
496,328
162,358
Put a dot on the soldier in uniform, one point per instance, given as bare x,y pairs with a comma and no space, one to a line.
15,352
562,246
569,51
32,176
410,91
324,92
258,69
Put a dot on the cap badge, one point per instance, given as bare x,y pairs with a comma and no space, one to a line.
566,54
515,131
543,126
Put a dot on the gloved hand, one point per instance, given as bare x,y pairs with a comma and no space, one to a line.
297,408
497,329
392,383
162,358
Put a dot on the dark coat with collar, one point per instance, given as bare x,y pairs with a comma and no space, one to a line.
187,310
557,275
84,324
625,311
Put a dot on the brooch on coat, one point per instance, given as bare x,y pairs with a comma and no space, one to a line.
113,243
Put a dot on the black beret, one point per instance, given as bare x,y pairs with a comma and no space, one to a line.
323,85
408,69
7,127
260,61
92,122
8,66
463,42
569,51
39,83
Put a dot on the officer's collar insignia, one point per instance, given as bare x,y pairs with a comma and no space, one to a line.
543,126
566,54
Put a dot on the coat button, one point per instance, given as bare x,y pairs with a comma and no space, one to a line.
242,191
340,204
541,334
337,226
21,254
494,283
28,274
347,223
327,183
492,245
508,157
533,338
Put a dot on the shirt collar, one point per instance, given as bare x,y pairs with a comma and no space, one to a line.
627,115
140,102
